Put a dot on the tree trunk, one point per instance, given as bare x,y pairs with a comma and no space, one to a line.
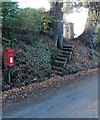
88,37
57,25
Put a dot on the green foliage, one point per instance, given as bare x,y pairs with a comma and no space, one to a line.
30,20
93,54
6,40
68,6
21,30
30,61
94,8
10,19
49,31
26,22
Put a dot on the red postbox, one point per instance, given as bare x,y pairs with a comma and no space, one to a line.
8,57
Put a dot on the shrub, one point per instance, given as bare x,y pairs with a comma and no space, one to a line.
30,61
10,23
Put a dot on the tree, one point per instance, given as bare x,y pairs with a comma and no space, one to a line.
57,25
10,21
23,24
30,24
88,37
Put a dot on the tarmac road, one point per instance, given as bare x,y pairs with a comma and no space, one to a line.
80,101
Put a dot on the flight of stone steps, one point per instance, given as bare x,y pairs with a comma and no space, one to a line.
62,58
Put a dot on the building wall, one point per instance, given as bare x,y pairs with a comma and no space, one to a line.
69,30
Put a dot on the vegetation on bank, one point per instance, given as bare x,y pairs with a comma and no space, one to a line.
22,29
28,32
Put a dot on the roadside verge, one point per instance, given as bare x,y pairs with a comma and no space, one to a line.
18,94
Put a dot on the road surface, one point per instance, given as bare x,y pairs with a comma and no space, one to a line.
80,101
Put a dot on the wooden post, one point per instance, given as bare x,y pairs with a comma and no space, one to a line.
9,74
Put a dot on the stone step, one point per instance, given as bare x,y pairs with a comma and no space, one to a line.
60,58
67,49
66,53
65,56
68,46
58,73
57,68
58,61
